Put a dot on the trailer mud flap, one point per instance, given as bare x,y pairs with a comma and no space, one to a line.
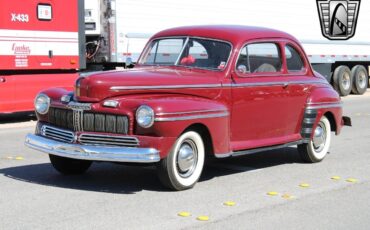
346,121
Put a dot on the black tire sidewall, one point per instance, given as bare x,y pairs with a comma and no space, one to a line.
355,72
338,78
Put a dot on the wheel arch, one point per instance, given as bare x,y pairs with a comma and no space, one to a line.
204,132
333,124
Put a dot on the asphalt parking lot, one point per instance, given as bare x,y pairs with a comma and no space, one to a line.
269,190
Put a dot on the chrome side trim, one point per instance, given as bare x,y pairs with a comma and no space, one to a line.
117,88
193,117
238,85
325,106
92,153
188,112
257,150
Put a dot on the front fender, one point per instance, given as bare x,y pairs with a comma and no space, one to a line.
174,114
326,101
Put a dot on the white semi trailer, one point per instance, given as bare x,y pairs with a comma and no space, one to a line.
117,31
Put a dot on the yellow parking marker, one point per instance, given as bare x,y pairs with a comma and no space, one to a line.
272,193
304,185
229,203
358,114
352,180
19,158
287,196
184,214
335,178
203,218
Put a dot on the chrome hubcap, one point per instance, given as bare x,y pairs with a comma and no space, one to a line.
346,81
319,137
187,158
362,80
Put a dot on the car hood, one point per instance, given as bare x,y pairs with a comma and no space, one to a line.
102,85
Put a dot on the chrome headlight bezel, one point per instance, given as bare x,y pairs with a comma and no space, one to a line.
145,116
42,103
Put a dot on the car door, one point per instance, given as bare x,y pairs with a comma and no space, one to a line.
261,102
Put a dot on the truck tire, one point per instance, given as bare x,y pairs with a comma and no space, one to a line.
183,166
360,79
342,80
317,148
69,166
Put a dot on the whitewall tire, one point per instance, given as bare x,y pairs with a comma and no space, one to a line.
317,148
183,166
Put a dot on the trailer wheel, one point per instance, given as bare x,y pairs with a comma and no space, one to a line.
360,79
342,80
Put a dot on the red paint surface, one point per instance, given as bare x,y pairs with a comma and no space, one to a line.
18,91
64,15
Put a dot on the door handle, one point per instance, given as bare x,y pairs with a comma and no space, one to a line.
285,85
2,79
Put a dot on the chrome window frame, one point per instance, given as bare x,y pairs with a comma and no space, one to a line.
261,74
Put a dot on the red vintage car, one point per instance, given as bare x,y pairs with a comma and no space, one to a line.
198,91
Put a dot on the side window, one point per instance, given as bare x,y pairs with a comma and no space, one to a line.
293,59
259,58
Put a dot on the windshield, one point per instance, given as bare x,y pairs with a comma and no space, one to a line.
191,52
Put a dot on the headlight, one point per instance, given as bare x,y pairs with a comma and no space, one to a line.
145,116
42,103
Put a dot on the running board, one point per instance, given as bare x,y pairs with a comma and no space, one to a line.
251,151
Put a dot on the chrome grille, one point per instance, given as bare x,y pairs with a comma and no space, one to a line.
96,139
57,134
79,120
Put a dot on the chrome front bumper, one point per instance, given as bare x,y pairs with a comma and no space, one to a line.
91,152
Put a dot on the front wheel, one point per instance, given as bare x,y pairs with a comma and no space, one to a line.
317,148
183,166
69,166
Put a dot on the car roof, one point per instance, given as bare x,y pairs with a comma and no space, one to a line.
233,33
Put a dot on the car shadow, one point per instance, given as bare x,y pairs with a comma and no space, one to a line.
125,179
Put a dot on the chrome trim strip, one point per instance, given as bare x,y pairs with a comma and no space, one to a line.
116,88
307,130
309,120
273,83
193,117
79,106
256,150
92,153
196,111
325,106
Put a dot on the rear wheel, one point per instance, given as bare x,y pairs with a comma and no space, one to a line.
69,166
360,79
342,80
183,166
317,148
